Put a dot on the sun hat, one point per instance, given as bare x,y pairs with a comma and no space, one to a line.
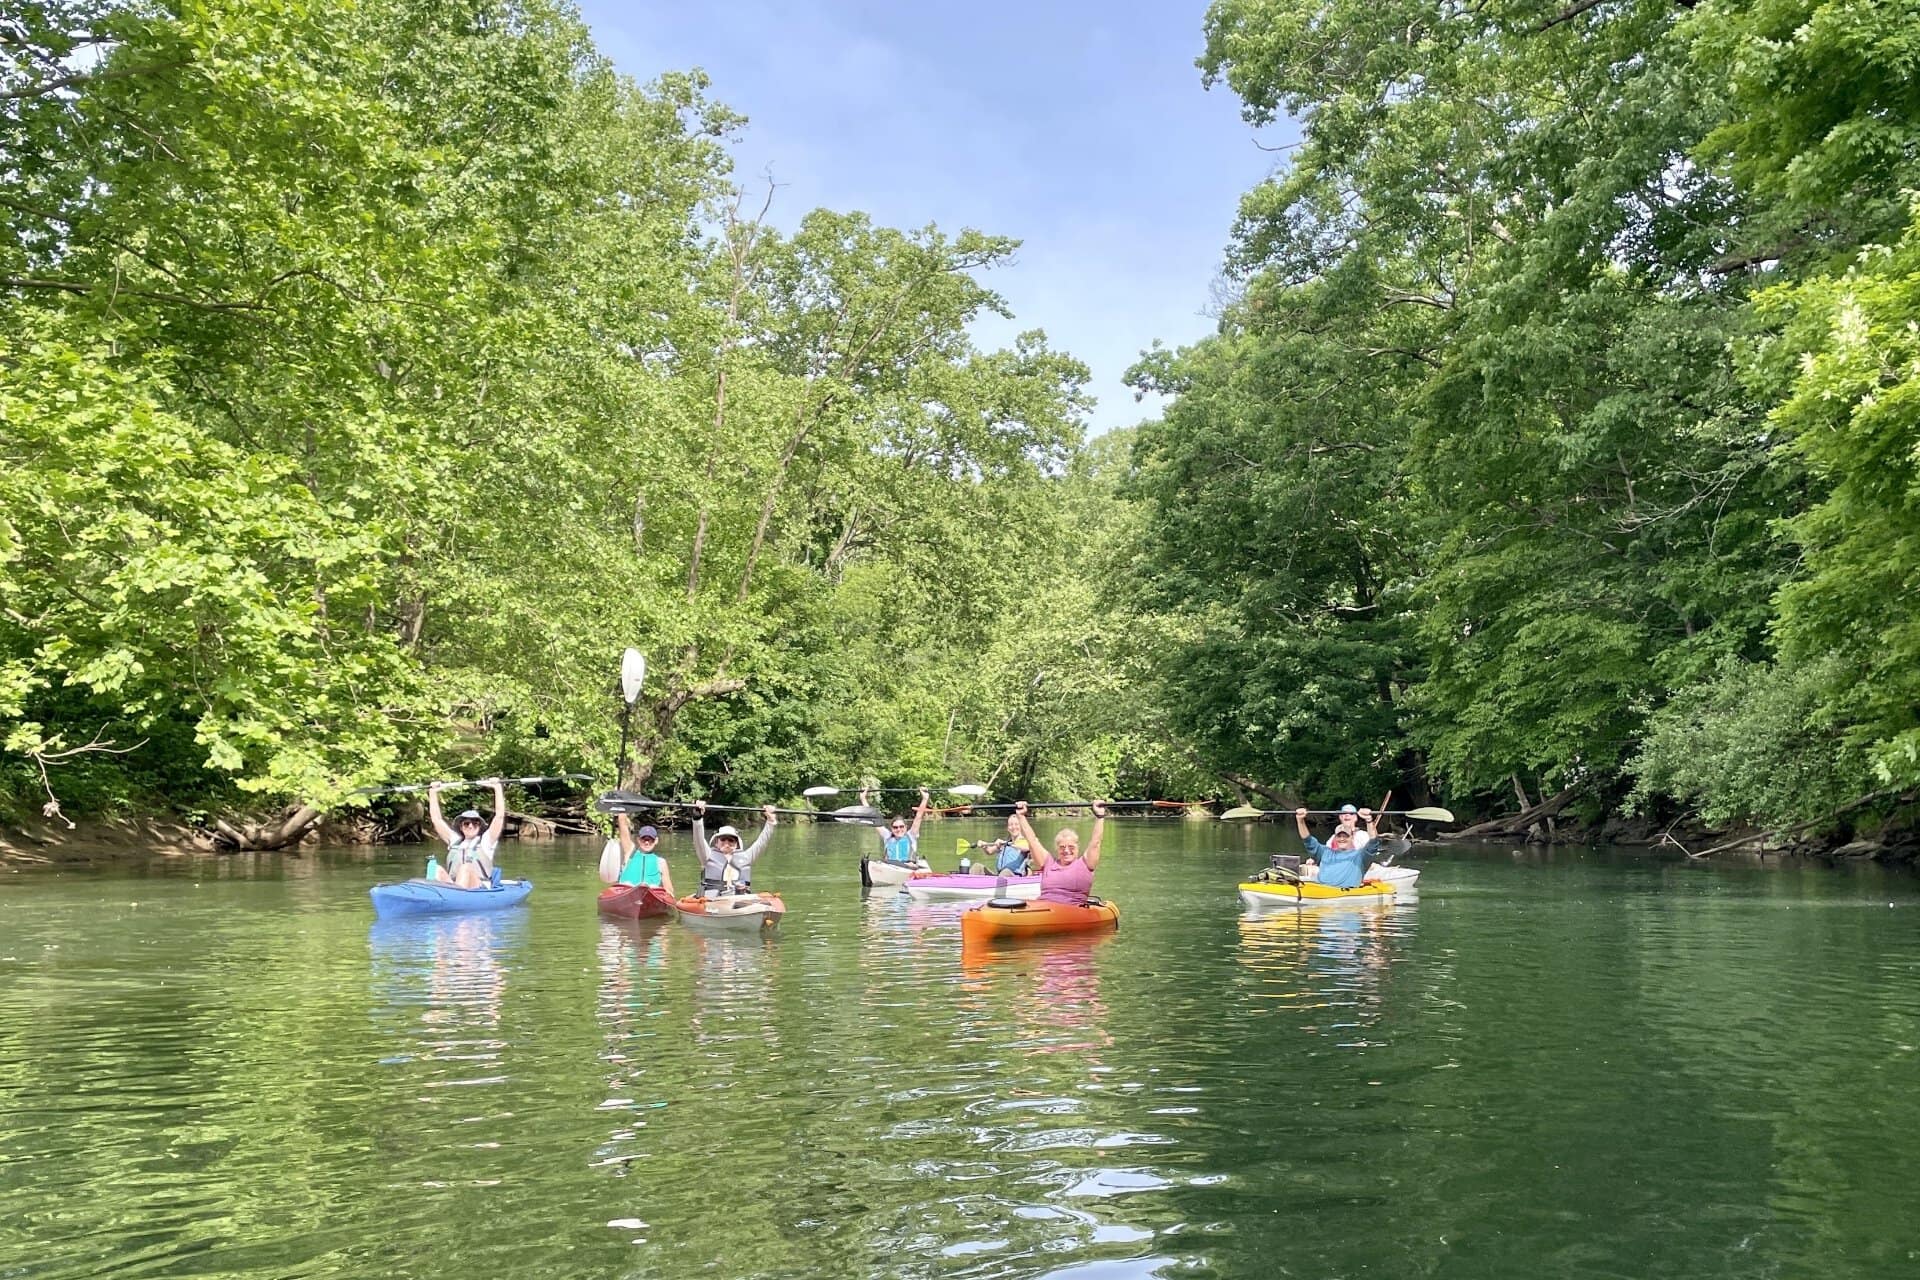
726,831
474,814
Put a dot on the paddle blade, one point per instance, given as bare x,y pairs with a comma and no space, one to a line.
813,793
859,814
971,790
962,845
633,673
1243,811
1433,814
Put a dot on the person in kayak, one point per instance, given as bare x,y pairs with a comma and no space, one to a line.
1010,854
1349,821
1339,861
724,851
1066,874
471,840
900,843
630,859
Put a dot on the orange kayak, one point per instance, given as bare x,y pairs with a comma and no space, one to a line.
1035,919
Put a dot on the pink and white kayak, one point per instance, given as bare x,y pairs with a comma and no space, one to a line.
962,888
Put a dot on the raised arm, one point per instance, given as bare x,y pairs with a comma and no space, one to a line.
1036,851
919,815
440,827
623,828
759,845
1092,856
1300,821
700,845
499,814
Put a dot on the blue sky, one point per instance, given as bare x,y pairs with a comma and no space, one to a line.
1079,128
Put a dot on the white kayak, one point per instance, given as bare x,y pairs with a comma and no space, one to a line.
875,871
731,911
1401,878
971,888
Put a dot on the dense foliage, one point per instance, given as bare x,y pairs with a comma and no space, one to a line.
1563,432
371,375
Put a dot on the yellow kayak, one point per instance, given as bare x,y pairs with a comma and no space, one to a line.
1258,894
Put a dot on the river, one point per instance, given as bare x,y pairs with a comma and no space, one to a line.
1575,1063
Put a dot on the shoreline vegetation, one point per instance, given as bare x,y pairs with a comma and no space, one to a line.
371,376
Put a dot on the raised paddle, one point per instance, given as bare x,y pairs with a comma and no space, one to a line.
633,674
472,782
1006,807
1430,814
626,802
969,789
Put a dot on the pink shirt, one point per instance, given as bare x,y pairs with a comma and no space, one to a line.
1069,883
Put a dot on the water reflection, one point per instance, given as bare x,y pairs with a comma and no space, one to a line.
445,973
1329,963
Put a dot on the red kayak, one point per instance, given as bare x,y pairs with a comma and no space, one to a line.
636,902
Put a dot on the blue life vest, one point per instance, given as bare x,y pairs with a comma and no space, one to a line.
1012,858
899,848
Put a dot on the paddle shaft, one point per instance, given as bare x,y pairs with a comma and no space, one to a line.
474,782
1001,806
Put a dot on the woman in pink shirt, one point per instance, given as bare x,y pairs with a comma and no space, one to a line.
1066,874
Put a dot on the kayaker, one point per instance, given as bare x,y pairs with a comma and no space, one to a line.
1010,854
1066,874
899,842
471,840
630,858
1349,820
724,851
1339,860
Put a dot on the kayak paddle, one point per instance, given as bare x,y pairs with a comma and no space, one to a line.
1431,814
472,782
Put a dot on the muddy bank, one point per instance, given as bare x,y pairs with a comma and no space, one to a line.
41,843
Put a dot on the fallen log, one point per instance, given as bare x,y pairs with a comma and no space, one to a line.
1514,824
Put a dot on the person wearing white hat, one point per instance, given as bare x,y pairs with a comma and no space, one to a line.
471,840
725,852
1349,821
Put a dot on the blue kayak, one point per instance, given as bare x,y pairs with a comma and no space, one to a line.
436,897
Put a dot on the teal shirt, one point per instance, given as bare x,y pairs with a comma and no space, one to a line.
641,868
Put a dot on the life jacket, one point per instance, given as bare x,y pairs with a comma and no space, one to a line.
642,868
899,848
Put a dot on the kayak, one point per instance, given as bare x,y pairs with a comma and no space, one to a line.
636,902
956,887
1309,893
990,921
1401,878
732,911
876,871
430,897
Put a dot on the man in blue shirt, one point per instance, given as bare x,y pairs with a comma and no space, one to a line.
1340,862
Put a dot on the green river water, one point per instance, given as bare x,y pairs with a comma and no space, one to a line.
1579,1063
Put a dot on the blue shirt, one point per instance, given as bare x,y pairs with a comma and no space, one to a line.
1340,868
